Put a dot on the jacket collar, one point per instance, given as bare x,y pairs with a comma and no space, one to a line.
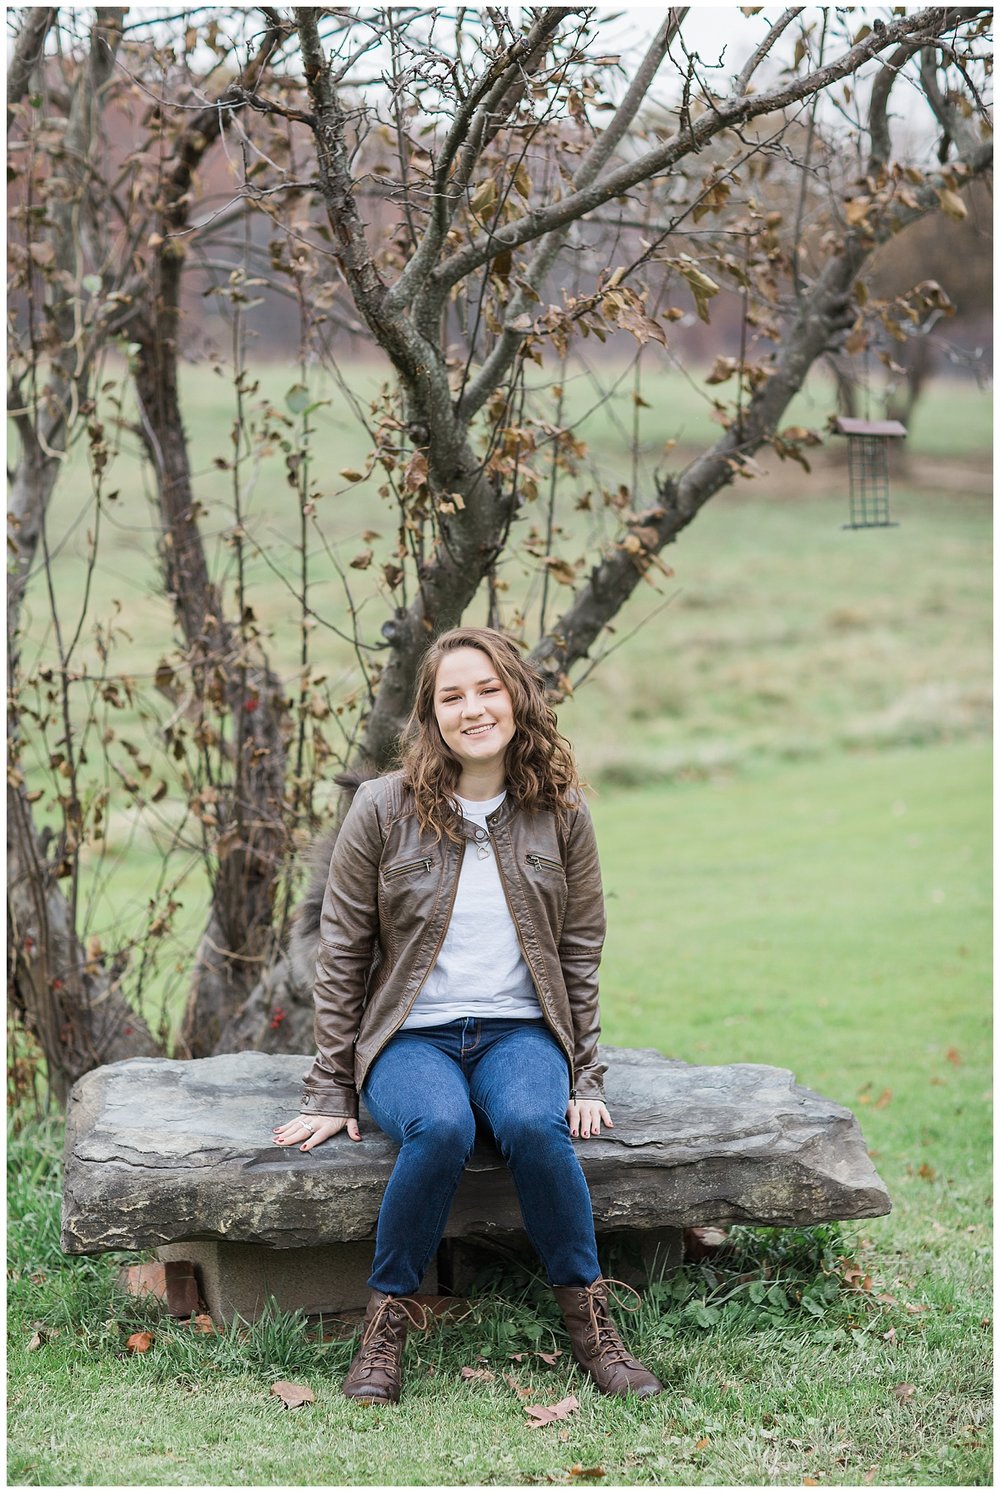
496,820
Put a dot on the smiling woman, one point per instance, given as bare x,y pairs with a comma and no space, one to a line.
456,990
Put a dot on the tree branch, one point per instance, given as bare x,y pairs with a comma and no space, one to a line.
781,25
724,114
476,123
820,317
28,51
955,126
878,120
506,347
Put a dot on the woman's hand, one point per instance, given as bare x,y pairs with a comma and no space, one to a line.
307,1131
586,1115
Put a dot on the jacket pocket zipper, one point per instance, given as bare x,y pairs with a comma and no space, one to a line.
538,861
425,861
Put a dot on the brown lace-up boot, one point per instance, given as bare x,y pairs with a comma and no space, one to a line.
376,1372
596,1344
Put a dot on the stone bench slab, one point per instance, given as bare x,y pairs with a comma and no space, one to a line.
160,1152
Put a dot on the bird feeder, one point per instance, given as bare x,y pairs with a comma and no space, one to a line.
868,465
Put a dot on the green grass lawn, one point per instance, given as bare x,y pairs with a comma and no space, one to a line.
831,916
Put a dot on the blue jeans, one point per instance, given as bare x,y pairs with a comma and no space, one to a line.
426,1089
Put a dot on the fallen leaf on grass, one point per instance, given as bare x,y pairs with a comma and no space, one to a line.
883,1099
927,1172
292,1395
36,1342
203,1323
543,1415
577,1471
954,1056
548,1358
139,1342
700,1446
810,1482
904,1392
517,1388
869,1476
477,1376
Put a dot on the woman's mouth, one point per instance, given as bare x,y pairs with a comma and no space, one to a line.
478,730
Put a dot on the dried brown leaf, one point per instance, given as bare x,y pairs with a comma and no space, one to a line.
560,570
904,1392
544,1415
139,1342
292,1395
952,204
518,1389
477,1376
577,1471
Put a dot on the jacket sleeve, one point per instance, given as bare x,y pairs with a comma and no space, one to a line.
348,926
580,945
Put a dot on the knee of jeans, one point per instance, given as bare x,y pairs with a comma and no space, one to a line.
447,1136
534,1132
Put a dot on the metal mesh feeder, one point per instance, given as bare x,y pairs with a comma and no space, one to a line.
868,465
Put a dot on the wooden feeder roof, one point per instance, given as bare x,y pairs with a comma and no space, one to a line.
845,425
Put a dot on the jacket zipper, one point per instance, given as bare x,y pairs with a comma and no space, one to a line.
538,992
425,861
536,860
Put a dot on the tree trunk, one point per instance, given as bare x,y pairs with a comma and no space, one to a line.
248,837
72,1005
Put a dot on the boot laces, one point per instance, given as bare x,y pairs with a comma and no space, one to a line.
607,1343
382,1343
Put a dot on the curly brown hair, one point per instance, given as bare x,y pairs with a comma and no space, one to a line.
539,765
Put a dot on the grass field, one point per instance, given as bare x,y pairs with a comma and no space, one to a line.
791,767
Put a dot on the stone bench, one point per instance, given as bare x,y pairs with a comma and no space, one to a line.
177,1157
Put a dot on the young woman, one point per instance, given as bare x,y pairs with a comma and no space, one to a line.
456,982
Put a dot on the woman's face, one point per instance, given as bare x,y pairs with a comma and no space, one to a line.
473,709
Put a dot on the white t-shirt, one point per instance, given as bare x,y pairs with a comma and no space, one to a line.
480,970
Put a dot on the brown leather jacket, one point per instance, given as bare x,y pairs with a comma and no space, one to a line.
389,897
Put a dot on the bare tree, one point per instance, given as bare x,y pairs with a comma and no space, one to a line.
71,1002
480,194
